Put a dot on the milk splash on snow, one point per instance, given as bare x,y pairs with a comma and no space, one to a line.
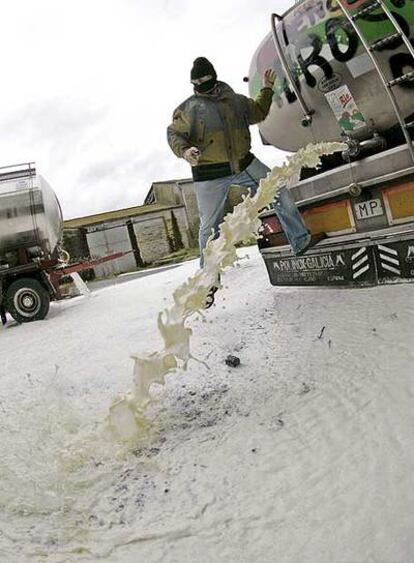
127,414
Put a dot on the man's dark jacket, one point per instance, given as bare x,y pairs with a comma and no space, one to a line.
218,125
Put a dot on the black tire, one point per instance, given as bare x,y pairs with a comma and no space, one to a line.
27,300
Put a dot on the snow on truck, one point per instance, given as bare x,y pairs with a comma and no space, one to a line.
345,73
32,259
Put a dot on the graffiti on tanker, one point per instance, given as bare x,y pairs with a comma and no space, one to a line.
317,33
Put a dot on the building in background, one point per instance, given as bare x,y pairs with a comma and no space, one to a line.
177,192
148,233
166,223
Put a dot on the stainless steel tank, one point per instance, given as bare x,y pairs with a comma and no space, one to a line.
30,214
333,72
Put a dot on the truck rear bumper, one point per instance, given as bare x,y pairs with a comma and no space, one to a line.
377,257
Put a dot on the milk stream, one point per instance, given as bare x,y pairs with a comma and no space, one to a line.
126,419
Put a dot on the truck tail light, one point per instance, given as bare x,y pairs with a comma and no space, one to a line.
271,233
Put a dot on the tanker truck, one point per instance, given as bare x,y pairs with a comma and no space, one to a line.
32,259
345,73
31,227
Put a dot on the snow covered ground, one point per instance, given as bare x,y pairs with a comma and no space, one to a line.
302,454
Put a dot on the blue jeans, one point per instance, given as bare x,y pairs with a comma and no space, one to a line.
211,200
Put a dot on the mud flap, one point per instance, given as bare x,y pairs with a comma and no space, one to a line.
395,261
360,265
3,317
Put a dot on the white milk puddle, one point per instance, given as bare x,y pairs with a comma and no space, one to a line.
127,415
65,488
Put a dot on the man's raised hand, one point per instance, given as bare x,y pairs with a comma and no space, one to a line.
269,78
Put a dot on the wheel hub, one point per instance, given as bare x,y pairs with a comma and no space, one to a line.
27,302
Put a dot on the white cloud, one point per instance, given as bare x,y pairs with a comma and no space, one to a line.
89,86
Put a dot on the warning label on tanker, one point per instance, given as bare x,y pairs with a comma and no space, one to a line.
345,109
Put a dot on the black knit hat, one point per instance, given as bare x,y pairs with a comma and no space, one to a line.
202,68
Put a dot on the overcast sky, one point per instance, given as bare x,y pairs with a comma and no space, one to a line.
89,86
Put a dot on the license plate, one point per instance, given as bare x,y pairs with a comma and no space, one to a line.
368,209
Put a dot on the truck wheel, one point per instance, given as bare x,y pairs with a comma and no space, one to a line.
27,300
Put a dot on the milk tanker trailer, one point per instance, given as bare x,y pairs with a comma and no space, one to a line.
32,259
345,73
